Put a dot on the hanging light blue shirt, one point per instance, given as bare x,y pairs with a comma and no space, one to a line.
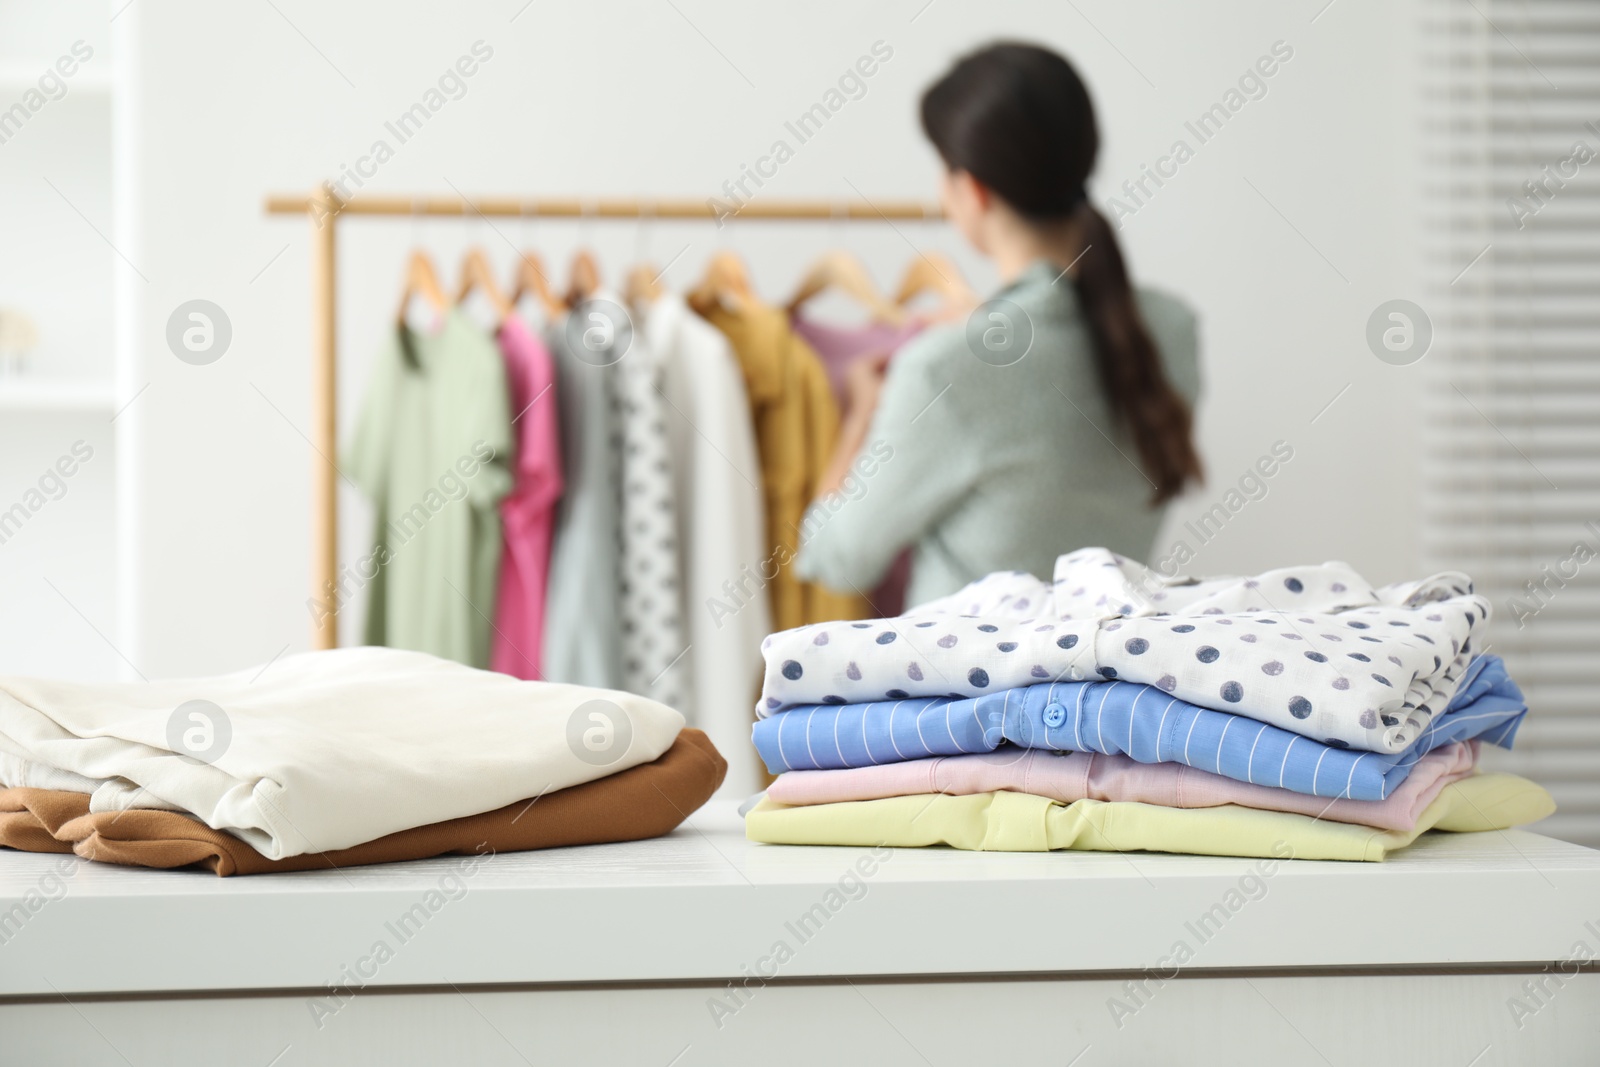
1140,721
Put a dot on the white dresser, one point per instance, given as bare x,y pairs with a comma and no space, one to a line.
701,948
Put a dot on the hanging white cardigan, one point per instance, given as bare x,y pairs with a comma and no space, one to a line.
722,529
325,750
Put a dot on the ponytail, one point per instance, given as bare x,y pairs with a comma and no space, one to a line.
1128,364
1018,119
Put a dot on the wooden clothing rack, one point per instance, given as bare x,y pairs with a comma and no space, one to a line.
325,208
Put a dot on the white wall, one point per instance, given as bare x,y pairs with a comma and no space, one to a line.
613,98
57,575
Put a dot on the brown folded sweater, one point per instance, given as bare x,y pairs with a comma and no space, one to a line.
644,801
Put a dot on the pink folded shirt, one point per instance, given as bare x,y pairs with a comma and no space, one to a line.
1070,776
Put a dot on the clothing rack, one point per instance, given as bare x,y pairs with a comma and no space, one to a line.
325,207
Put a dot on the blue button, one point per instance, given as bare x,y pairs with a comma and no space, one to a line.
1054,715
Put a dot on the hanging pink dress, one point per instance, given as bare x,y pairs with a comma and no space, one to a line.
527,514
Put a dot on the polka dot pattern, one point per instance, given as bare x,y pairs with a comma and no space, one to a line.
649,597
1272,647
1116,718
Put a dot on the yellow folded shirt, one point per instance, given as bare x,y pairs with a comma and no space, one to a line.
1021,822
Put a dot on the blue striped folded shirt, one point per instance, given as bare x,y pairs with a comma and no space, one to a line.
1140,721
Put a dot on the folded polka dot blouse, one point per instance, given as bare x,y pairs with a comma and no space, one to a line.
1315,650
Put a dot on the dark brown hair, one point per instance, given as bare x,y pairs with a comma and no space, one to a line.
1018,119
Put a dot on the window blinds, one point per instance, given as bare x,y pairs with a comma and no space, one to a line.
1511,458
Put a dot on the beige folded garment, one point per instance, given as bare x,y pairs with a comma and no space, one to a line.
325,750
644,801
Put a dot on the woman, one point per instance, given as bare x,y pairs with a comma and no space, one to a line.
1059,415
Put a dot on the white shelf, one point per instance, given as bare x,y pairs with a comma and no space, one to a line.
46,395
702,902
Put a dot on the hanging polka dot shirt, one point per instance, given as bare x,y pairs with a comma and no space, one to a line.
653,644
1313,649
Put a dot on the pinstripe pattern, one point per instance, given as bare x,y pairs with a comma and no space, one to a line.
1137,720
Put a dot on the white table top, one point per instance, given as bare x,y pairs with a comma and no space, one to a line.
703,903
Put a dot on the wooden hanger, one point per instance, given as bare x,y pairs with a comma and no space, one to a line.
421,280
644,285
532,280
725,284
933,272
477,274
584,277
843,271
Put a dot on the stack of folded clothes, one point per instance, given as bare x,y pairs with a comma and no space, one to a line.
351,756
1301,712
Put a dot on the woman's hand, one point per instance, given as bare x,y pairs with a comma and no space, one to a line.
863,384
863,381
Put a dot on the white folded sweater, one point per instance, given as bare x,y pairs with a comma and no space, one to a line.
325,750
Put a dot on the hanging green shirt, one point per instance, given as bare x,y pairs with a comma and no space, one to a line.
433,450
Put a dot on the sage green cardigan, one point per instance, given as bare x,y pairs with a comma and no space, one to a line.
993,449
